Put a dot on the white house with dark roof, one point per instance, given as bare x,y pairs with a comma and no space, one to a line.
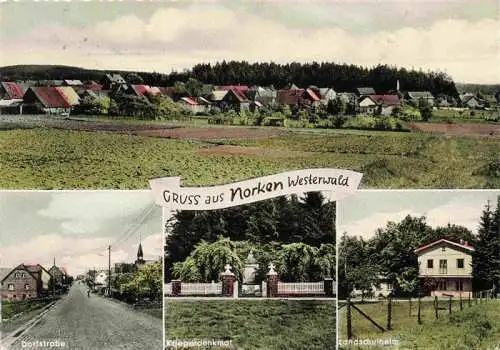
445,268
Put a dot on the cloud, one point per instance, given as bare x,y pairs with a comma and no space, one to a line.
77,254
175,38
86,213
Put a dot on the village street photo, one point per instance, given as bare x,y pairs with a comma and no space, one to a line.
419,269
253,276
81,270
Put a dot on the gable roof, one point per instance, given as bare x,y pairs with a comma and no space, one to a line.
70,94
419,94
20,267
240,96
140,89
386,100
189,101
290,96
312,95
72,82
239,88
218,95
366,91
442,241
49,96
115,78
13,90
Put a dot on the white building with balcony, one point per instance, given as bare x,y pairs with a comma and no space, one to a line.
445,268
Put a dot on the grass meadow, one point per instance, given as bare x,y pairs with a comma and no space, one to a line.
475,327
254,324
47,158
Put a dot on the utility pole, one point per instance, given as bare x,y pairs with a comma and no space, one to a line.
53,281
109,271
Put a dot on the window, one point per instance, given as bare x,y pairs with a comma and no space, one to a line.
27,287
11,286
460,263
442,285
443,266
17,275
459,285
430,264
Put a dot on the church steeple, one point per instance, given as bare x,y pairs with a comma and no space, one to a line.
140,254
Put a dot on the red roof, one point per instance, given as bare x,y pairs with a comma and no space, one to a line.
189,100
312,95
442,240
13,90
49,96
240,95
290,97
93,86
240,88
386,100
140,89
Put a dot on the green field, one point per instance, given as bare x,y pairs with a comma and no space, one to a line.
44,158
11,308
259,324
476,327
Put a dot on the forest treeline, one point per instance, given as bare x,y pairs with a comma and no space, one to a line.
342,77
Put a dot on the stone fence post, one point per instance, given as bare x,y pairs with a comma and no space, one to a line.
272,282
328,287
228,279
176,287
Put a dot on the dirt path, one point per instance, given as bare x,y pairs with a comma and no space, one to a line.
488,130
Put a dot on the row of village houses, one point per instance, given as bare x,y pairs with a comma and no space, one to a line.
27,281
62,95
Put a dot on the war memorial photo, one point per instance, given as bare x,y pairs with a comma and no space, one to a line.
253,275
81,270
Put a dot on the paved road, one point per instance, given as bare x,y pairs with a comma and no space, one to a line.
94,323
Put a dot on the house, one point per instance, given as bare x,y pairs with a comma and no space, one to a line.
470,101
378,104
193,105
297,97
326,95
236,99
11,106
445,268
73,83
101,278
25,282
59,275
138,89
108,81
70,95
416,96
265,96
216,96
46,99
383,288
363,91
10,91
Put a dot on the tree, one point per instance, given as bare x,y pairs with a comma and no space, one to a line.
408,282
425,109
336,106
297,260
134,78
486,255
146,281
194,87
94,105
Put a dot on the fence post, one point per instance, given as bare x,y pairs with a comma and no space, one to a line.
436,306
349,318
461,306
389,313
419,306
176,287
328,287
272,282
449,304
236,290
469,300
228,279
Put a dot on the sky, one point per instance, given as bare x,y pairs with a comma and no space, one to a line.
364,212
75,228
459,37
